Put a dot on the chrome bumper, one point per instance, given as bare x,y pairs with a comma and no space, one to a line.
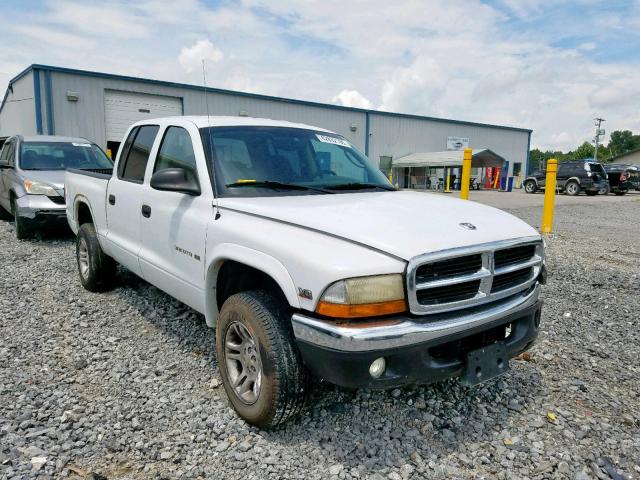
405,331
29,206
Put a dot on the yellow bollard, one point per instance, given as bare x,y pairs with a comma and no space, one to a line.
448,189
549,196
109,153
466,174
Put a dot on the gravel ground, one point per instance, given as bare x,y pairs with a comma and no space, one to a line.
125,385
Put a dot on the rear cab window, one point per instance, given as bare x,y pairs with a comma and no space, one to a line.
135,154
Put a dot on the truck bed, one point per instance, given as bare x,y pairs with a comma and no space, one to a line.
88,187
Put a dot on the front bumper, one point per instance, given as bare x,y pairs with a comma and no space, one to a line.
40,210
416,349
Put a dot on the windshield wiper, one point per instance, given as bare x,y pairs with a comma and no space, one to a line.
276,185
358,186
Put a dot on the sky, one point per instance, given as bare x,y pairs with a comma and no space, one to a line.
552,66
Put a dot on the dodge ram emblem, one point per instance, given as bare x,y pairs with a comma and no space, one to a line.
468,226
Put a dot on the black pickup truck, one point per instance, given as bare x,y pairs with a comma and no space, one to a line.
572,178
622,178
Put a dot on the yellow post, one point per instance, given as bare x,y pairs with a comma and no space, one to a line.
466,174
109,152
448,189
549,196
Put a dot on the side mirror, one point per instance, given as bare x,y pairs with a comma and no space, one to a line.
176,180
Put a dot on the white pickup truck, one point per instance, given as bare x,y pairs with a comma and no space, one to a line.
306,260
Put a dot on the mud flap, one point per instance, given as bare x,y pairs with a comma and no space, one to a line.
485,363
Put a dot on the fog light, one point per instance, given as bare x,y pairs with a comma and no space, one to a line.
377,367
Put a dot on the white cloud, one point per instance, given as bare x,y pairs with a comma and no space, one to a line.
452,58
352,98
191,57
587,46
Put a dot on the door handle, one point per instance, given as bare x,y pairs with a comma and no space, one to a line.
112,199
146,211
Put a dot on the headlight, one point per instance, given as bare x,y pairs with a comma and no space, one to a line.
363,297
39,188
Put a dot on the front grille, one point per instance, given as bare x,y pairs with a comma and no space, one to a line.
449,268
511,279
511,256
449,293
470,276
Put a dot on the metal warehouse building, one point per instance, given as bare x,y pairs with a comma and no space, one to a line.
101,106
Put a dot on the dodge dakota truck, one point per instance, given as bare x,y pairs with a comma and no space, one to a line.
306,261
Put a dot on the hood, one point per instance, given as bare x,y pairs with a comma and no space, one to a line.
404,223
54,178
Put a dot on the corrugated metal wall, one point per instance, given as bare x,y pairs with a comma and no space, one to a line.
390,135
397,136
18,114
86,116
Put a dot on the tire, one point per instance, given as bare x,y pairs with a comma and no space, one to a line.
257,324
97,270
572,188
530,186
620,192
23,232
4,214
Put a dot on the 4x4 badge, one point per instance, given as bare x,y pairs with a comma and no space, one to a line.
468,226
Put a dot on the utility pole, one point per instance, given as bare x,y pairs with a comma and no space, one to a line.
599,132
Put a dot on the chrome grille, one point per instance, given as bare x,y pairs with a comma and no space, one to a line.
469,276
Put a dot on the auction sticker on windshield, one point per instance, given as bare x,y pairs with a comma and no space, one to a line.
333,140
81,144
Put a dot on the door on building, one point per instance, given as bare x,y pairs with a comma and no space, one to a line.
121,109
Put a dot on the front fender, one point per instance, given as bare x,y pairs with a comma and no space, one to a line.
252,258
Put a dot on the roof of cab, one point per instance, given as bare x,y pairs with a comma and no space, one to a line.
203,121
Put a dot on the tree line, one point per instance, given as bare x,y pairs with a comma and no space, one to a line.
620,141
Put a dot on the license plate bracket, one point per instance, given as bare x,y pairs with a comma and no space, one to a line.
485,363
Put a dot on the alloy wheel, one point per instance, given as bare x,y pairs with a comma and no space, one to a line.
242,359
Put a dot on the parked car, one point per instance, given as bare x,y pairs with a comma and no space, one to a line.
622,178
572,178
32,177
304,258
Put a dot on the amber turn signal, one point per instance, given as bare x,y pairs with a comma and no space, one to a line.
337,310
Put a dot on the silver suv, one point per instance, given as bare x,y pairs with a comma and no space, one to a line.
32,177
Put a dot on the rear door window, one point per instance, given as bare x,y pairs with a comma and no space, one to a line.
138,155
564,170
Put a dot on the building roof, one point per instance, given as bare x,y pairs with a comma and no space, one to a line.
481,158
72,71
620,158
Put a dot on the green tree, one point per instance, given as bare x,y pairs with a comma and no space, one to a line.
623,141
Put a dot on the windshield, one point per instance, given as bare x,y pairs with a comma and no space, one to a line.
273,160
62,155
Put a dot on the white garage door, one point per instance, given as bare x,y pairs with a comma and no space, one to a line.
124,108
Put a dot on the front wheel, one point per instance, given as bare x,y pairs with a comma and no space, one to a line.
261,368
97,270
572,189
530,186
23,232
